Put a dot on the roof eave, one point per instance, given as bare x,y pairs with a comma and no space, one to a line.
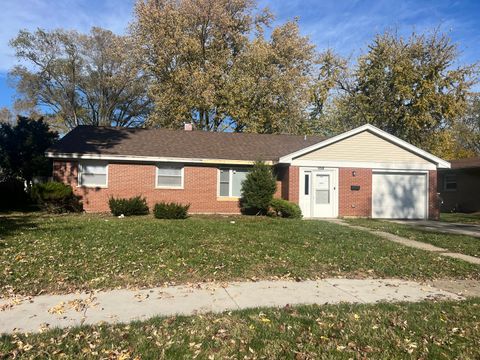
150,159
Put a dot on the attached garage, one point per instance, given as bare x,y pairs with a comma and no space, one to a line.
365,172
399,195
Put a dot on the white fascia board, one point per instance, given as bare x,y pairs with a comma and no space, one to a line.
405,171
367,127
363,165
150,159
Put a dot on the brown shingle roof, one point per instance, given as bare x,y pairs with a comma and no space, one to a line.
466,163
180,144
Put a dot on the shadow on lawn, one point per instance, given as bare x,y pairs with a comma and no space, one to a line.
14,222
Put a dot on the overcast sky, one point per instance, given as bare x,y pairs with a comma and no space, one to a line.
346,26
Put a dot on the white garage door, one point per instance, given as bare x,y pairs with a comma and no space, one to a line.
399,195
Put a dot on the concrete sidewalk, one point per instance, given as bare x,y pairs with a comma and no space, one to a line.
48,311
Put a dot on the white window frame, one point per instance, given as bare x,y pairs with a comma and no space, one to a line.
170,166
230,181
445,181
80,172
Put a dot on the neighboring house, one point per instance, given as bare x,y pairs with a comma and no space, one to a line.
364,172
459,186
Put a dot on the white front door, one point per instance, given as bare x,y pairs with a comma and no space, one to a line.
318,193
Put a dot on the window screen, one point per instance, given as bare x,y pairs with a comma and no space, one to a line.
322,189
168,176
92,173
231,181
224,182
237,179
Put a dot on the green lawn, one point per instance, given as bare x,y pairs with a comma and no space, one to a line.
426,330
463,244
55,254
461,218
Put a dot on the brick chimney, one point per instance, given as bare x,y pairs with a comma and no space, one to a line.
188,127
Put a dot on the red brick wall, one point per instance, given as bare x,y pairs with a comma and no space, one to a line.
66,172
126,180
433,203
354,202
200,188
291,189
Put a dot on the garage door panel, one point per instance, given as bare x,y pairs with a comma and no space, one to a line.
399,195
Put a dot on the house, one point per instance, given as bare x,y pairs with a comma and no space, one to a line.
459,186
364,172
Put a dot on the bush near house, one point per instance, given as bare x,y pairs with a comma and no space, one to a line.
286,209
128,207
56,197
257,190
172,210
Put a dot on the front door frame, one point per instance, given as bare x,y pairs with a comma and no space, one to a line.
307,202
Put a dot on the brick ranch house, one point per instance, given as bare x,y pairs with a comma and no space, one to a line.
364,172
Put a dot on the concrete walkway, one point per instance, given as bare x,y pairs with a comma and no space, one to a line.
444,227
48,311
411,243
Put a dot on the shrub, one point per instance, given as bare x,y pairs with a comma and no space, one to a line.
56,197
134,206
172,210
258,189
286,209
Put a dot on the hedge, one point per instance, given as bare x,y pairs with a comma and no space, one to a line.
128,207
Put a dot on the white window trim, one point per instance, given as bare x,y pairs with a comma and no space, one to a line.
182,175
230,181
79,176
445,182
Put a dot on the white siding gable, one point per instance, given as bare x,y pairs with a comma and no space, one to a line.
364,147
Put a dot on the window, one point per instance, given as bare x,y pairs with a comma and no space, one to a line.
169,176
450,183
307,184
93,173
230,182
322,191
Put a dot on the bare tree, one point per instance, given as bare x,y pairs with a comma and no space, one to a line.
77,79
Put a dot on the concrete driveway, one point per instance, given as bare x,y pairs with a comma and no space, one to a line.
445,227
